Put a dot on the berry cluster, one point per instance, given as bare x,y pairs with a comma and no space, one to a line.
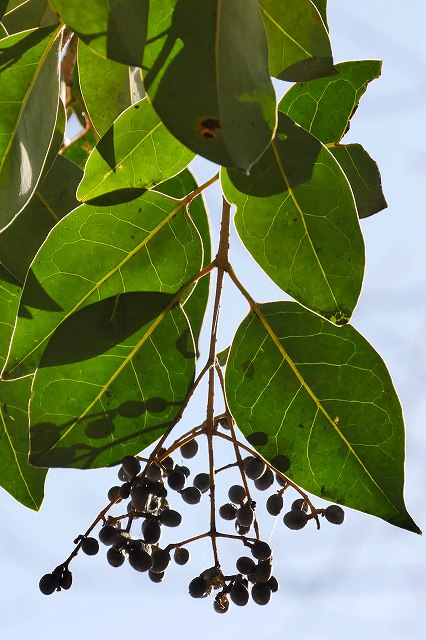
136,534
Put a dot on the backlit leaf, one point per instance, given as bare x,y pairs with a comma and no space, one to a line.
364,178
107,87
115,29
200,74
325,106
136,153
28,15
325,400
299,47
29,92
147,245
296,215
23,481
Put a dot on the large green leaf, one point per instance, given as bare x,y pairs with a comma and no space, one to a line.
28,15
52,200
325,106
195,305
23,481
364,177
3,7
206,72
116,29
148,245
299,47
136,153
107,87
92,403
326,403
29,90
296,215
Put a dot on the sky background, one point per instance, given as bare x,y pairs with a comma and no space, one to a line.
364,579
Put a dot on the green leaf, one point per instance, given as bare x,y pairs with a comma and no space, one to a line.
364,177
307,238
148,245
136,153
200,74
3,32
326,402
222,357
57,140
52,200
3,7
115,29
29,89
299,47
23,481
94,403
107,87
321,6
29,15
195,304
325,106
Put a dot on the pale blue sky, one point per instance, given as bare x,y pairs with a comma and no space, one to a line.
364,579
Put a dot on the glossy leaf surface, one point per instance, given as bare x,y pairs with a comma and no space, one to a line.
29,91
326,402
364,178
297,217
107,87
200,74
23,481
148,245
136,153
115,29
324,106
299,47
28,15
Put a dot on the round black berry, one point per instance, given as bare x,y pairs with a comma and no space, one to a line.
153,472
170,518
151,531
131,465
176,480
191,495
265,480
245,516
334,514
273,584
109,535
139,496
122,475
241,529
274,504
90,546
239,595
156,577
237,494
202,482
245,565
168,463
254,467
181,555
115,557
198,587
189,449
125,490
299,505
156,489
114,493
262,572
221,603
295,519
140,560
261,550
65,581
228,511
261,593
48,584
161,560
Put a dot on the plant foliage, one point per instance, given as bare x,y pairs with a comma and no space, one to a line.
105,254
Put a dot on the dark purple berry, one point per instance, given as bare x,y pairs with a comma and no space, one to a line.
274,504
261,593
140,560
228,511
198,587
191,495
115,557
261,550
299,505
48,584
245,565
151,531
189,449
181,555
237,494
334,514
176,480
202,482
131,465
254,467
239,595
245,516
90,546
295,519
265,481
170,518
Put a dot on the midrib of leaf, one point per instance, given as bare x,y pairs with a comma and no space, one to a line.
256,309
24,101
105,278
262,8
302,217
46,205
150,133
3,422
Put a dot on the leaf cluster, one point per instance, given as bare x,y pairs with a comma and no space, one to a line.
105,248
